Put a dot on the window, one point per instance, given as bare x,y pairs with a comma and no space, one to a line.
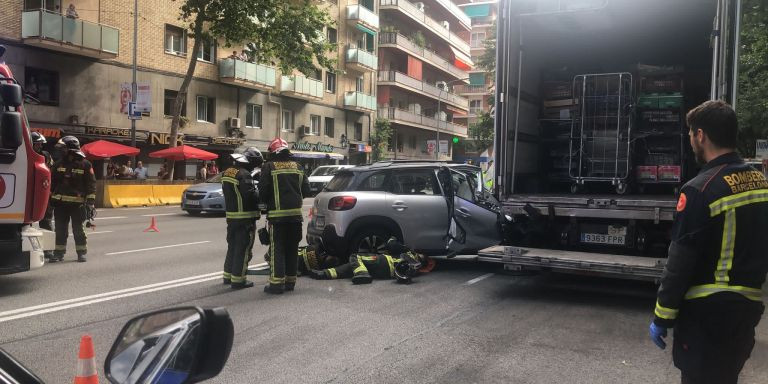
476,39
318,75
329,127
331,35
414,182
475,107
42,85
287,121
314,124
360,84
207,51
253,116
375,182
206,109
412,142
48,5
330,82
359,131
169,97
175,40
462,186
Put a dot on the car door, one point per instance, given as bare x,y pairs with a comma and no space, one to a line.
417,205
474,224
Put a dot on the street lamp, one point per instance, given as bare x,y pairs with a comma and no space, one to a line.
442,85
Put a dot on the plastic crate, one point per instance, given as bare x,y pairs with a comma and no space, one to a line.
669,173
647,173
661,84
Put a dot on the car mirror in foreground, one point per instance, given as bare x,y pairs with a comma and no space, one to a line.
171,346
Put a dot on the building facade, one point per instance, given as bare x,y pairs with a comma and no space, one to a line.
423,56
76,60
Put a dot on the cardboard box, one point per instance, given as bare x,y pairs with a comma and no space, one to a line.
669,173
647,173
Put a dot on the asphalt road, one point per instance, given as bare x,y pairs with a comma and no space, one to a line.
462,323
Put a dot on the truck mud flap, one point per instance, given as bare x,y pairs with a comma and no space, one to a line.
12,259
617,266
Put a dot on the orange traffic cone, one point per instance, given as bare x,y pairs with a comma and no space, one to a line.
86,363
152,226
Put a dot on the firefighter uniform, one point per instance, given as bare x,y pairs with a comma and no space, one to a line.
283,187
362,268
711,286
46,222
73,185
241,200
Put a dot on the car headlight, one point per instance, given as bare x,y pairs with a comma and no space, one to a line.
215,194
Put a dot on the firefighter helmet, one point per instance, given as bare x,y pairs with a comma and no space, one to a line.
37,138
251,157
70,144
278,145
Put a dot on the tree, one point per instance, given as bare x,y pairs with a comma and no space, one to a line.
287,34
752,105
482,132
380,138
487,60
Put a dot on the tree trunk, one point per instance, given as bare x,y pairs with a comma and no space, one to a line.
182,95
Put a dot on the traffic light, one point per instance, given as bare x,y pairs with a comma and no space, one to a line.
455,140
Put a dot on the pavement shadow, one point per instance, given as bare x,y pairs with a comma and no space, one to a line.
15,285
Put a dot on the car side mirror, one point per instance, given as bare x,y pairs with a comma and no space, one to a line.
179,345
11,94
10,130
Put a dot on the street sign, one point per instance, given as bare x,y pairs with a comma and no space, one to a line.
133,113
761,149
143,97
444,146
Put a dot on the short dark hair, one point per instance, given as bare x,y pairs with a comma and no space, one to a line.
718,120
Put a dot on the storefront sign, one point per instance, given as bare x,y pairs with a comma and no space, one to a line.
160,138
362,148
53,133
229,141
105,131
444,146
143,98
307,146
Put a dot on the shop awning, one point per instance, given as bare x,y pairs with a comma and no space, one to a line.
456,111
102,149
183,152
317,155
461,60
478,10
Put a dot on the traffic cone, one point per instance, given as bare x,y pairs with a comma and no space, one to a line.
86,363
152,226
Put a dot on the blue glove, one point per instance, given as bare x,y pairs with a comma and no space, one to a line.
658,334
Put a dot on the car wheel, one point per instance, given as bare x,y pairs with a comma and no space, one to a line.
370,240
194,213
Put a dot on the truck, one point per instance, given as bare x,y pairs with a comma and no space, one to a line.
25,182
582,90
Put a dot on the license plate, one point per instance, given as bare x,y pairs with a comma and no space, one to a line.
193,202
320,222
601,238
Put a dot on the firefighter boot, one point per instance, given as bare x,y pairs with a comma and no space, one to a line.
274,289
362,278
57,256
81,257
318,275
245,284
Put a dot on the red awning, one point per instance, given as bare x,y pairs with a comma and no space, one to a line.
183,152
101,149
461,60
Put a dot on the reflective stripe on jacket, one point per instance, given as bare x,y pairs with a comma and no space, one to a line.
241,197
283,187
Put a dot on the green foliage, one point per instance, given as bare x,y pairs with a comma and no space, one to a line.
487,60
752,105
482,132
418,39
380,138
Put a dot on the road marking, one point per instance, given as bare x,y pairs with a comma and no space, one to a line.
111,217
478,279
132,208
108,296
93,233
153,248
163,214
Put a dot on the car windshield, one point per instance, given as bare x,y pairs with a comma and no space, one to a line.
340,182
325,171
214,179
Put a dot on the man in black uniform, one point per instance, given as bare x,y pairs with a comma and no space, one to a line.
73,193
363,267
38,141
241,200
283,187
711,286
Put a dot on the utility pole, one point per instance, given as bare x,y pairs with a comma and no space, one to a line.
439,115
134,88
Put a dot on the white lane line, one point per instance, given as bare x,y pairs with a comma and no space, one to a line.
108,296
478,279
111,217
163,214
132,208
153,248
93,233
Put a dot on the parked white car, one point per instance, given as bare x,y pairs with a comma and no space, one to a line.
322,175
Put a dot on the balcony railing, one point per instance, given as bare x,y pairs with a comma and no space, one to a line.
482,20
301,86
363,59
456,11
444,95
257,75
412,11
359,14
72,35
402,42
420,121
359,100
471,88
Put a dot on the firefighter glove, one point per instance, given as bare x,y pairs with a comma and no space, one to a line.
658,333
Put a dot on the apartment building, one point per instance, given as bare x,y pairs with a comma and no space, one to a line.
482,14
423,55
76,56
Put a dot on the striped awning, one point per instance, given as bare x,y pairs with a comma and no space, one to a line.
461,60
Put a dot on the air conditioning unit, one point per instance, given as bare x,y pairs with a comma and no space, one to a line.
419,6
306,130
441,85
234,122
446,24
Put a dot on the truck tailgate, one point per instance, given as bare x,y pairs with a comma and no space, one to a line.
619,266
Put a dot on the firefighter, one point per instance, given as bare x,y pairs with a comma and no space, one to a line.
241,199
711,286
38,141
311,257
364,267
283,187
73,195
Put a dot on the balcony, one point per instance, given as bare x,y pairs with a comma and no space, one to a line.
410,10
361,61
359,101
404,81
470,89
247,74
396,40
358,14
301,87
411,119
456,11
51,30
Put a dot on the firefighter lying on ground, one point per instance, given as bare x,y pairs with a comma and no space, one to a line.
363,267
311,257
